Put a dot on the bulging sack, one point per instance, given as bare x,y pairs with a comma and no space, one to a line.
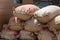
47,13
25,12
32,25
26,35
8,34
15,24
58,35
45,35
54,24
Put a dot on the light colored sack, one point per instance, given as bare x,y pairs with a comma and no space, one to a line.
54,24
25,12
47,13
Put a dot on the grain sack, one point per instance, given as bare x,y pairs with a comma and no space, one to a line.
26,35
54,25
8,34
47,13
25,12
58,36
45,35
16,27
15,24
32,25
13,20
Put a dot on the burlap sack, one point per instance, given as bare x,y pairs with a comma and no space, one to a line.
58,36
54,24
25,12
8,34
32,25
45,35
15,24
47,13
26,35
